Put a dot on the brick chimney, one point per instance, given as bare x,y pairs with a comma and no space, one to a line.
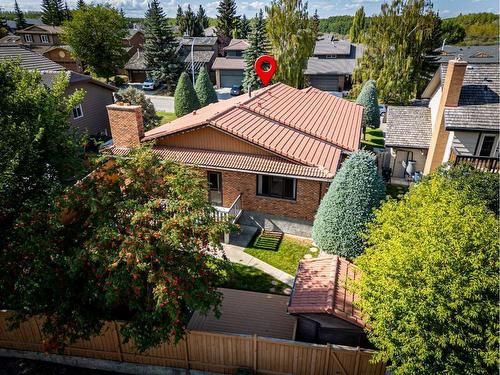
126,124
449,98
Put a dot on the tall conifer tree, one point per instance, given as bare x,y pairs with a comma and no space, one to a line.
160,46
227,21
20,20
259,45
358,26
244,27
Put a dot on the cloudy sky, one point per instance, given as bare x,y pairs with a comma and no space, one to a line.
326,8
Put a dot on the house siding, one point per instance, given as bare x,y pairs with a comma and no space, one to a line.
63,57
465,142
419,155
95,117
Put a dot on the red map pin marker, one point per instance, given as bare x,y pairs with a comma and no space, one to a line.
265,75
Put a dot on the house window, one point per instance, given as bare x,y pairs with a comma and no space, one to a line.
44,38
28,38
487,144
276,187
77,112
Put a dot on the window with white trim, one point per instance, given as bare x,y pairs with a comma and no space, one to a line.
77,112
28,38
44,38
276,187
487,145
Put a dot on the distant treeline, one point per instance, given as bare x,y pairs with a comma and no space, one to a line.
480,28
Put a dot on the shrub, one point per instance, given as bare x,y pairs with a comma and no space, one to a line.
368,99
205,89
348,206
429,289
136,97
185,97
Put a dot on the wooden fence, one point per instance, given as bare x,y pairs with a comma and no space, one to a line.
206,351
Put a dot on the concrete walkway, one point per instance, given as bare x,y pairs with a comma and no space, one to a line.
235,252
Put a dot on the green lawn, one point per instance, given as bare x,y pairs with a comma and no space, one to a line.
286,257
373,138
166,116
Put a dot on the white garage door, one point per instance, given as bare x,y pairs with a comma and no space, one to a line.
325,83
231,77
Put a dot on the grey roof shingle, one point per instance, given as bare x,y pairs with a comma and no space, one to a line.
471,54
341,65
199,41
328,45
29,59
137,61
409,127
479,102
199,56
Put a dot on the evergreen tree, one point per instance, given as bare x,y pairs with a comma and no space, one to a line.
179,16
160,46
358,26
368,99
398,44
80,4
185,99
259,45
189,24
53,12
122,13
292,39
20,20
205,89
67,12
315,24
227,21
347,206
244,28
202,17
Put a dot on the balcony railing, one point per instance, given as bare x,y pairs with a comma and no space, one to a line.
230,214
483,163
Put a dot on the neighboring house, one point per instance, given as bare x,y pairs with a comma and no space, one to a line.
90,116
461,123
331,66
136,68
229,70
133,41
10,39
12,26
204,53
471,54
61,54
324,305
271,155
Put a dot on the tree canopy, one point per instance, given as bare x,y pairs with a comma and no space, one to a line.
401,66
53,12
369,100
244,27
20,20
134,96
185,98
292,39
259,45
205,89
160,46
227,21
95,36
118,245
429,290
358,26
348,205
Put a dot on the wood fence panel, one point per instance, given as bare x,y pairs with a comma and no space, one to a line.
102,346
26,337
368,368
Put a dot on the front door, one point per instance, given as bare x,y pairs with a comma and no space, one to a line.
215,188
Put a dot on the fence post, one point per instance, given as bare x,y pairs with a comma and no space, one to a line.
327,349
255,353
117,334
356,366
186,348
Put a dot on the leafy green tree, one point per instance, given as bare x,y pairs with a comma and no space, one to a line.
136,97
3,26
205,89
95,36
339,25
429,289
291,35
358,26
244,27
160,46
452,32
109,249
39,150
347,207
259,45
185,98
20,20
398,43
315,24
480,28
227,21
368,99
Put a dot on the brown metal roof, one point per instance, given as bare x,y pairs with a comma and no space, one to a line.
320,287
248,313
234,161
308,126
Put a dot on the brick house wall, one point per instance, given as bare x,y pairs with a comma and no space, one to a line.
309,194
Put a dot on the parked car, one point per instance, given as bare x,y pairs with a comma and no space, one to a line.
236,90
150,84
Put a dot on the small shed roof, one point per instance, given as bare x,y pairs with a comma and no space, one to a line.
409,127
248,313
321,288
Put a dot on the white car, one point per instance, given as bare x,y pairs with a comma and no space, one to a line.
150,84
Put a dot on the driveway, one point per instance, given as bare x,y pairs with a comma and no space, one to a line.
223,93
162,103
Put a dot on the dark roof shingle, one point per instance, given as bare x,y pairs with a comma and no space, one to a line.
29,59
409,127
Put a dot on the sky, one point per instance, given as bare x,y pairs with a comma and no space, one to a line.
326,8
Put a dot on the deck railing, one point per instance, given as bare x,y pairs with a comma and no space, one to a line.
230,214
483,163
